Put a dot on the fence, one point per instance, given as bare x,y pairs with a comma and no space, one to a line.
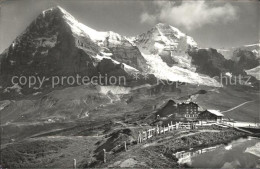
158,130
145,135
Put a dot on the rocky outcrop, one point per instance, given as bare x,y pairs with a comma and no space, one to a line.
124,51
245,59
210,62
48,47
56,44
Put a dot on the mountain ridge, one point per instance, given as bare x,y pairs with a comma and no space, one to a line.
56,43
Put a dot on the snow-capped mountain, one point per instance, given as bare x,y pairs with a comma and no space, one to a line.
165,49
254,72
164,37
229,53
253,48
56,43
245,57
169,43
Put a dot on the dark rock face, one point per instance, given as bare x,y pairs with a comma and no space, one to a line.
48,47
56,44
245,59
169,108
129,55
123,51
108,68
166,57
210,62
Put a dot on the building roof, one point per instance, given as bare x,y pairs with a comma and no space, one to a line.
215,112
167,109
187,103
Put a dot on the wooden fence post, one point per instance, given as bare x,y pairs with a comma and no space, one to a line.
168,127
145,135
188,142
125,146
74,163
149,133
139,137
163,129
153,131
105,158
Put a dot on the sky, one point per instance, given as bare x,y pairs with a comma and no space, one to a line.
216,24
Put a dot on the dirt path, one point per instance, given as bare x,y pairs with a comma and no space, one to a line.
237,106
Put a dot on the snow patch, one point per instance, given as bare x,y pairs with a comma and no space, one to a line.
15,87
254,72
256,44
128,68
37,93
30,62
255,150
228,147
113,89
12,62
49,42
162,71
13,44
228,74
81,29
255,51
44,52
6,103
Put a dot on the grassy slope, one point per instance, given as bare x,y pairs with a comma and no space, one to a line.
227,98
131,111
48,152
67,105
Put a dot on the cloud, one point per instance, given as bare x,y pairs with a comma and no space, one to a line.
191,14
148,18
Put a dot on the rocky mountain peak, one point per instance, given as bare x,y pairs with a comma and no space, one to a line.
56,10
49,45
56,43
164,37
168,29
